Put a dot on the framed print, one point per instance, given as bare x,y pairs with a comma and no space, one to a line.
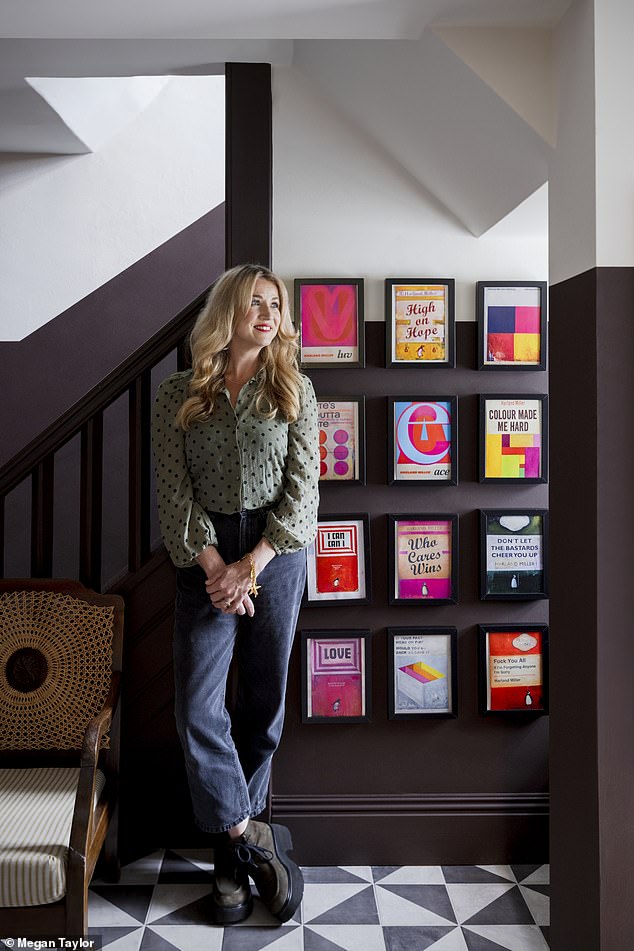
513,438
513,668
329,319
420,321
423,439
336,676
342,439
511,325
339,561
423,559
422,672
513,554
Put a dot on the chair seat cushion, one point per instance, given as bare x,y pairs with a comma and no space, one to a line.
36,814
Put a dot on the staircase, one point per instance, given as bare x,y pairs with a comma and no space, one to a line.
146,581
37,461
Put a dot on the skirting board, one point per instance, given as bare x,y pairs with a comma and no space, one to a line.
417,829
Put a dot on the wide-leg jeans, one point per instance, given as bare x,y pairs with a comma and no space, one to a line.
228,760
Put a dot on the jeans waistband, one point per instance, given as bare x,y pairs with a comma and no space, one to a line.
244,513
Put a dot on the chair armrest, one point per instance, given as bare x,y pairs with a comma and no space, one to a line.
100,723
82,827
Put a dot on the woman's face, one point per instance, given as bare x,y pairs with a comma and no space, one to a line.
261,322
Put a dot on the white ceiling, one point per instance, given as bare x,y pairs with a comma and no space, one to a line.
291,19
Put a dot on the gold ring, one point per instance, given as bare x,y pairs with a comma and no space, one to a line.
227,603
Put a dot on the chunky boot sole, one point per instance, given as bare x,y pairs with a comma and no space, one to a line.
283,844
231,914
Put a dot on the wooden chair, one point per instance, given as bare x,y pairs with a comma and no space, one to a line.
60,670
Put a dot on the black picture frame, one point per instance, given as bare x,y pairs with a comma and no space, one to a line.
514,410
395,442
422,349
350,668
514,327
448,582
415,692
315,310
330,570
518,579
515,695
330,447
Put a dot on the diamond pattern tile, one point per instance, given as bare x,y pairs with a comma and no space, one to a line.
162,904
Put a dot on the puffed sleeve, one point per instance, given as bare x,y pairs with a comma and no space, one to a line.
185,526
292,524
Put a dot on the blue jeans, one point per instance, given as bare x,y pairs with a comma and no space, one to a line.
228,760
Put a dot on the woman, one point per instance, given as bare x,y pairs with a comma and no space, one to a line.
236,453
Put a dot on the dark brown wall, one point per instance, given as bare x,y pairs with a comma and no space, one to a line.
464,780
249,163
470,790
592,653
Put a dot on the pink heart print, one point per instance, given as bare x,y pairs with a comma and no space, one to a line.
329,315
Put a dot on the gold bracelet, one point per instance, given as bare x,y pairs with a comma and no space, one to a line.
253,590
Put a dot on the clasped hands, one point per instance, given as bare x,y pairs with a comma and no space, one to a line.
228,588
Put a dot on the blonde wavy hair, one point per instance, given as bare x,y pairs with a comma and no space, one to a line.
279,390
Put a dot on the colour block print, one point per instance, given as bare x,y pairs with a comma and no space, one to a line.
512,326
513,335
513,439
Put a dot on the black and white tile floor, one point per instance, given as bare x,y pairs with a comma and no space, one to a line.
161,904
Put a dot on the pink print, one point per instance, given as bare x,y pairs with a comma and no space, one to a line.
328,315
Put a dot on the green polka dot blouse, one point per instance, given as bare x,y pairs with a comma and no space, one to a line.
231,462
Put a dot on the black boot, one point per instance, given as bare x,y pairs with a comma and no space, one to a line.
261,851
231,898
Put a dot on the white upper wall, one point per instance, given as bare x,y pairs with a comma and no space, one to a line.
68,225
344,207
447,128
518,62
591,180
96,108
614,83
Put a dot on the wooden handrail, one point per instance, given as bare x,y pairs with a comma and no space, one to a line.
37,461
99,398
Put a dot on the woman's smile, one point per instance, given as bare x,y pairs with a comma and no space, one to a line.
262,320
